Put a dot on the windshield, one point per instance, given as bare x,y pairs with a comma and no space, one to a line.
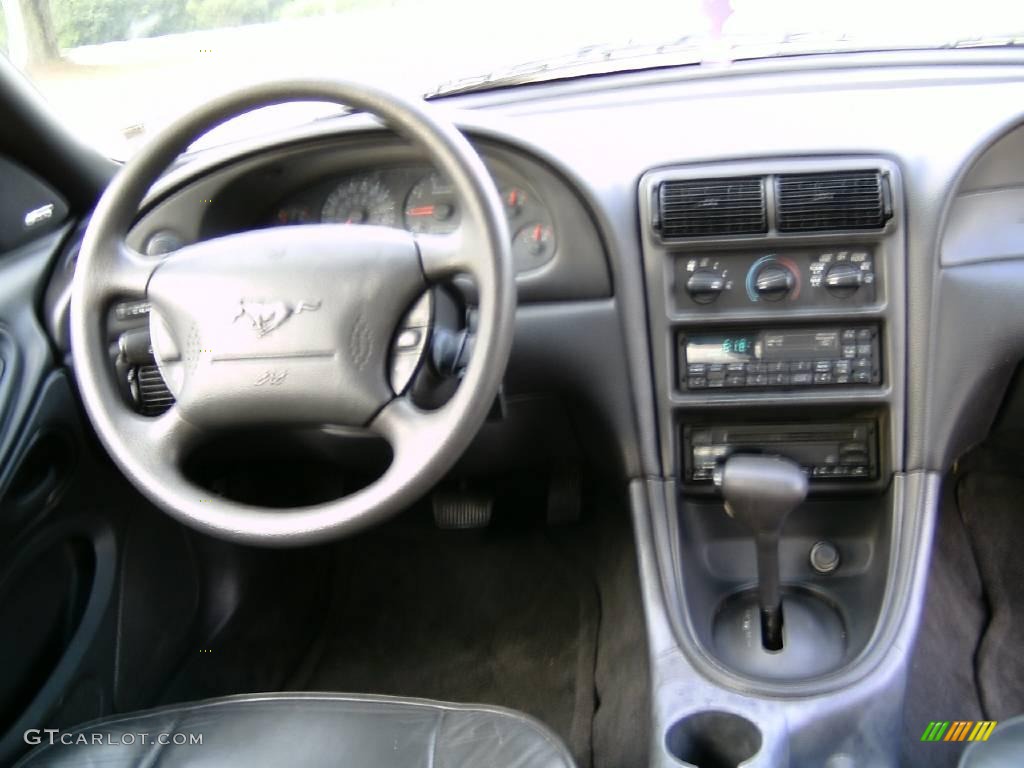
117,70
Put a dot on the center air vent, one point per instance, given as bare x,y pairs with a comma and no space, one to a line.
817,202
705,207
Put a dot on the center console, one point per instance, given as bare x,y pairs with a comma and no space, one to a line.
777,324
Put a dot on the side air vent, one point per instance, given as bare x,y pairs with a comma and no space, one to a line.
818,202
707,207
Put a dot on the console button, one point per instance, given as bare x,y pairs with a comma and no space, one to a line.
735,380
759,380
697,382
755,368
823,366
717,383
849,336
802,366
801,378
862,377
841,378
862,365
841,367
776,367
778,379
716,368
864,350
849,351
865,334
696,369
736,368
823,378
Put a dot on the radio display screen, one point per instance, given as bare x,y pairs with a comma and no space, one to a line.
764,346
734,348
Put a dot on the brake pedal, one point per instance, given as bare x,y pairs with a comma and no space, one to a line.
461,510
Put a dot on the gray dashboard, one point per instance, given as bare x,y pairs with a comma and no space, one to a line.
947,125
380,180
583,146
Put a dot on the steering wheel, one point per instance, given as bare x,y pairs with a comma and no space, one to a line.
290,326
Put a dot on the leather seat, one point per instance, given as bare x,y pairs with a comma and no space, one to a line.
1004,748
308,729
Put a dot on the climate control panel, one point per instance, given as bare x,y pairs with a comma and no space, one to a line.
823,277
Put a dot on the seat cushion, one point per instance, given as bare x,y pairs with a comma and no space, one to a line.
307,729
1004,748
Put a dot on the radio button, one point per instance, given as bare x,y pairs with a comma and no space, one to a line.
716,383
849,336
862,377
864,350
755,368
801,378
823,378
778,379
841,378
736,368
803,366
849,351
759,380
697,382
841,367
714,368
862,365
735,380
776,367
823,366
696,369
865,334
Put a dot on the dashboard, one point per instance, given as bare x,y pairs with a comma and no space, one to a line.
382,181
879,349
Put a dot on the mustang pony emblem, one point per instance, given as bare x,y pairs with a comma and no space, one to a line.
265,316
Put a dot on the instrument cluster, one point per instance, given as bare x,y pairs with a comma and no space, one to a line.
419,199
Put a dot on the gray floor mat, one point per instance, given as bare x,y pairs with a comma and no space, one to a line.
469,616
993,512
941,681
968,662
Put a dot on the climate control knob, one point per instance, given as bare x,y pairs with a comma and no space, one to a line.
773,282
705,285
843,279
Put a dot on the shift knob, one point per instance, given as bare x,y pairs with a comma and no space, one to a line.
760,492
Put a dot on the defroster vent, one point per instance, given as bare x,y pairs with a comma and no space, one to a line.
818,202
712,207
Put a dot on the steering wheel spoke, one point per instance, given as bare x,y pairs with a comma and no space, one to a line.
128,271
444,256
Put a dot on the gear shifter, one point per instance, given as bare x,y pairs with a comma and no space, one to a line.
760,492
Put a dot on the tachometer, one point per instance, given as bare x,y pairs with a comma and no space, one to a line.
361,200
432,206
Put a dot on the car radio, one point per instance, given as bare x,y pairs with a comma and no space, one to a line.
841,451
778,357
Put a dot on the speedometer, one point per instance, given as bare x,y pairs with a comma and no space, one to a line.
361,200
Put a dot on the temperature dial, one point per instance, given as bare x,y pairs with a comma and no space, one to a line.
773,278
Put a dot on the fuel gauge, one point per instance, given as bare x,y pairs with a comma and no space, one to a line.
533,246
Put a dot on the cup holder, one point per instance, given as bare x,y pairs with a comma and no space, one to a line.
713,740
